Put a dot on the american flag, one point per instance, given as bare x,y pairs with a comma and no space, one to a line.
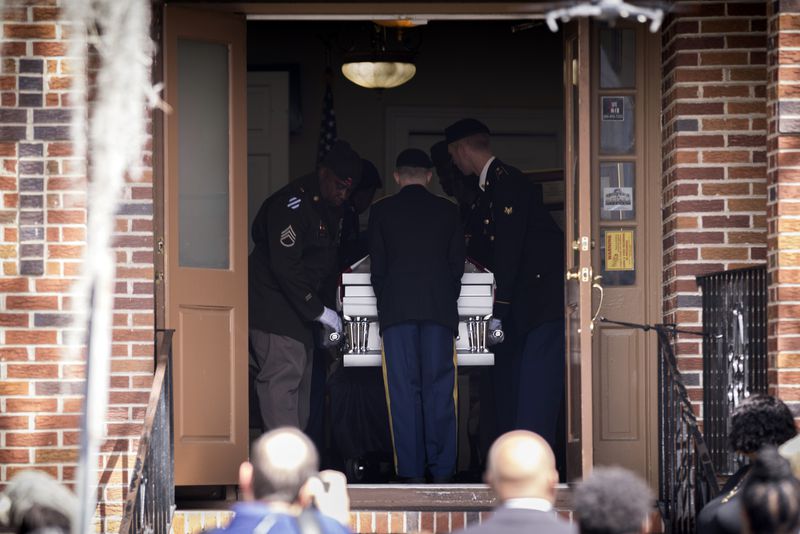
327,129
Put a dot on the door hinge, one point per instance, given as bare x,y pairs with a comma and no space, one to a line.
160,245
159,277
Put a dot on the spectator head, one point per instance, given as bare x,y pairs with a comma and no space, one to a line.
281,462
758,421
520,465
771,495
612,500
34,501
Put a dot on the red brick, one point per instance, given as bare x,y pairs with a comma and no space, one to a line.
725,156
45,13
57,422
31,439
30,337
32,370
31,405
13,422
692,141
56,456
11,49
49,49
13,388
29,31
14,456
723,58
14,302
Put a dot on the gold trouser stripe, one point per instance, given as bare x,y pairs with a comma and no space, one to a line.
388,404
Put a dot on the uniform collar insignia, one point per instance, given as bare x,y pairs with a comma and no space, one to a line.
508,210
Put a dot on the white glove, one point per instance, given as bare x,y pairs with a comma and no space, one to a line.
494,332
330,319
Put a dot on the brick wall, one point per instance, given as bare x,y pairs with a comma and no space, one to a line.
714,159
42,233
783,214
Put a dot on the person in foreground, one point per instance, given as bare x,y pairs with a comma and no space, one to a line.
613,500
771,496
35,502
522,472
283,492
758,421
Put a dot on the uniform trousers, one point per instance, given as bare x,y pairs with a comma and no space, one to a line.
541,375
419,371
281,367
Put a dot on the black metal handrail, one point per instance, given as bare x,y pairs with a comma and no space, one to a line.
150,502
687,480
734,352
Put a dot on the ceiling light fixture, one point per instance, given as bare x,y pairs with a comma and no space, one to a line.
381,67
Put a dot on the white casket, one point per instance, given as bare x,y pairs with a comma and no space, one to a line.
363,340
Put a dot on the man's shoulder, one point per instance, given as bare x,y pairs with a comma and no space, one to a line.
500,169
512,521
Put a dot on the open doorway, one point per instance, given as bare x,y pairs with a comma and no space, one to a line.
507,74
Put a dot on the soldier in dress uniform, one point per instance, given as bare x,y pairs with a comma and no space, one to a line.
526,255
296,235
416,247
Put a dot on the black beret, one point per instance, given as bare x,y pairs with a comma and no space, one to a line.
344,162
439,154
413,157
464,128
370,177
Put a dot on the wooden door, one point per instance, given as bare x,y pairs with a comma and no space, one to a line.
267,138
206,241
578,228
626,191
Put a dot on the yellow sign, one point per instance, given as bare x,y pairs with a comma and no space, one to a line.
619,250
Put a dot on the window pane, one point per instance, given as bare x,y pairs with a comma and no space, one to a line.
617,191
203,155
617,125
617,58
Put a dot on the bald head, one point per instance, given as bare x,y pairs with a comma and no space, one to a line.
521,464
282,461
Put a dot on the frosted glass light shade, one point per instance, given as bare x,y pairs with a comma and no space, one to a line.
379,74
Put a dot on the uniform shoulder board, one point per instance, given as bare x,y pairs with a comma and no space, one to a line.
501,170
449,199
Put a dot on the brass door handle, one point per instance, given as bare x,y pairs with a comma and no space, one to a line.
573,275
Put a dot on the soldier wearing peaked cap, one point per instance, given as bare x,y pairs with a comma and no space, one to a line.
526,255
416,250
296,235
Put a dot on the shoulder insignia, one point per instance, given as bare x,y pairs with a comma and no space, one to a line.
508,210
288,237
294,203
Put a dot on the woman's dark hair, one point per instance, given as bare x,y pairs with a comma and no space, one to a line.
758,421
771,495
40,520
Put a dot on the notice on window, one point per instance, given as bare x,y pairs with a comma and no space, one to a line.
612,108
618,198
619,250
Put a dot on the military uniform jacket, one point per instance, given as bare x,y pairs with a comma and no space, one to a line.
296,240
416,247
513,235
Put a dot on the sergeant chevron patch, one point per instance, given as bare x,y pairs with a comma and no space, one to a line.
288,237
293,203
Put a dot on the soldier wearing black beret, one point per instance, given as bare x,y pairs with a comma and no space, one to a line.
526,254
416,248
296,235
